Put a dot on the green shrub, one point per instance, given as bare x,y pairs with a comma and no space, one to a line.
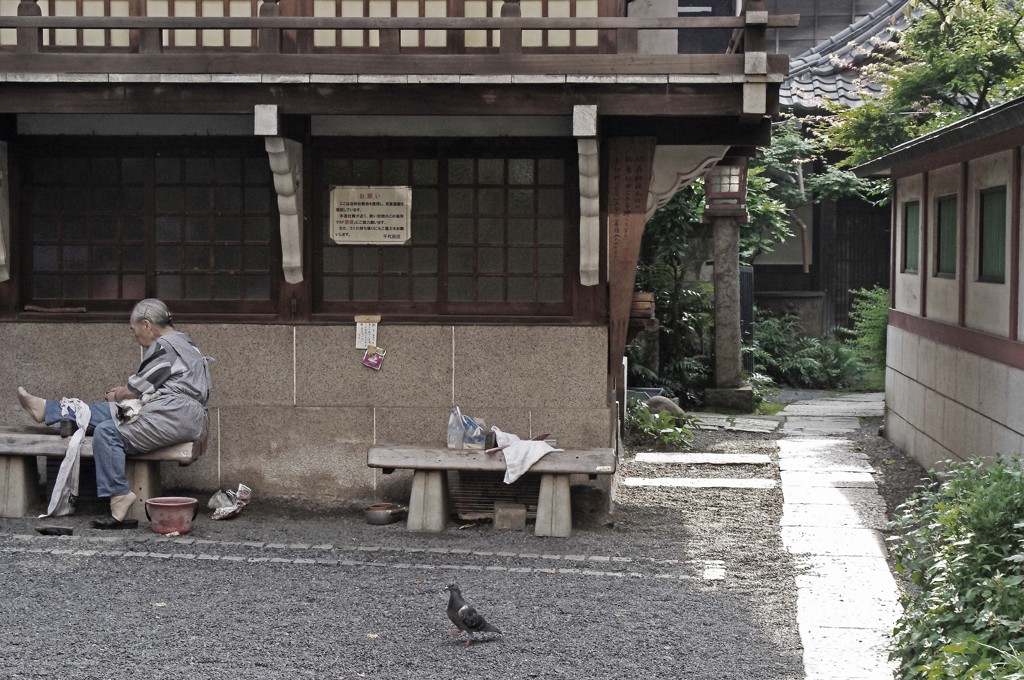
869,314
656,430
789,357
961,543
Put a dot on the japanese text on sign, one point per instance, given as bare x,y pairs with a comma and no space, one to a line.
370,215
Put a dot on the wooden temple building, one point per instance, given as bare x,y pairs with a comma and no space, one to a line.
467,179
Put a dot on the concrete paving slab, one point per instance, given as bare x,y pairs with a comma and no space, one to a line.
712,419
847,653
833,541
836,408
758,425
704,458
702,482
819,425
817,515
838,497
837,462
821,609
856,479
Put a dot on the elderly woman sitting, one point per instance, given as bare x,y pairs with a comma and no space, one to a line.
173,379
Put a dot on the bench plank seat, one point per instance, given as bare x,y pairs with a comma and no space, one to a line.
20,446
582,461
428,501
43,441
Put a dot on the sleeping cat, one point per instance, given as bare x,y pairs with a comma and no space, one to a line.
128,410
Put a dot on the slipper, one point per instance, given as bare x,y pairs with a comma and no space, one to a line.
55,531
108,522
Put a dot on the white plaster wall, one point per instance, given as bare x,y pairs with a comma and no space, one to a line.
908,286
987,304
943,292
943,403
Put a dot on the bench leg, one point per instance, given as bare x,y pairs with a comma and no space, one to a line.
554,507
17,485
144,479
428,502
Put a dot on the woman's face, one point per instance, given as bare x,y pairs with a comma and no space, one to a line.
145,332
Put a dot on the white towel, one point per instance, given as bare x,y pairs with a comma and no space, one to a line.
519,455
65,488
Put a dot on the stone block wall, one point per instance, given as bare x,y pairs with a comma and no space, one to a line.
944,403
293,410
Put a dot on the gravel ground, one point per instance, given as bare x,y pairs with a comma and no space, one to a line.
676,583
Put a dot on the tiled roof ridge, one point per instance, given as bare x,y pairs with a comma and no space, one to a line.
876,27
825,72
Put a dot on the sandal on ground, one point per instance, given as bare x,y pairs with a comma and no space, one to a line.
108,522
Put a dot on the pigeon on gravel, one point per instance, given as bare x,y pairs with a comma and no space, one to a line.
465,617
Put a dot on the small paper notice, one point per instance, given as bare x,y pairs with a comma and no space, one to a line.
374,357
366,335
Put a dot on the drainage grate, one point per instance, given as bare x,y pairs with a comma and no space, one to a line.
474,494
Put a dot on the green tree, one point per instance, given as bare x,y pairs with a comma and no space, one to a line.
955,58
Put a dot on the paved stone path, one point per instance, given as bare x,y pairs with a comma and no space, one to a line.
832,525
832,520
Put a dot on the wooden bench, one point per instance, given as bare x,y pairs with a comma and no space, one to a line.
19,447
428,502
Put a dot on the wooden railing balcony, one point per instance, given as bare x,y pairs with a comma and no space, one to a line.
270,43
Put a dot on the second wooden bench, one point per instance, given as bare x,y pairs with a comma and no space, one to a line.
428,502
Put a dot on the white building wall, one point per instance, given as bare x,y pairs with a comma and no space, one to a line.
944,403
988,304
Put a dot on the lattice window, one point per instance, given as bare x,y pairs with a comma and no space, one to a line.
490,235
205,8
186,226
70,37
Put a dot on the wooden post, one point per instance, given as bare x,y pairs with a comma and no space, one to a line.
627,40
629,182
511,38
29,39
270,38
390,40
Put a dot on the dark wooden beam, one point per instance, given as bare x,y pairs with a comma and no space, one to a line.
703,130
630,102
710,66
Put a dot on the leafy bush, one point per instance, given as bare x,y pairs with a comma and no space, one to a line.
656,430
869,314
790,357
961,543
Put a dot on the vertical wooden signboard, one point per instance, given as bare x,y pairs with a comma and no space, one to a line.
629,181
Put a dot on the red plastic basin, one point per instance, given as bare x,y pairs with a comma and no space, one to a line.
169,514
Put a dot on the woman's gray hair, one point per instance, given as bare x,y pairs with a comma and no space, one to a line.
152,310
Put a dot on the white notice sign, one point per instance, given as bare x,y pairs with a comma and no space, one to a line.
366,335
370,215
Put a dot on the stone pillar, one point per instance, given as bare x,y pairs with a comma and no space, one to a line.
728,362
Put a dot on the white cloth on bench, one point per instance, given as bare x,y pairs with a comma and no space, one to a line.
519,455
65,488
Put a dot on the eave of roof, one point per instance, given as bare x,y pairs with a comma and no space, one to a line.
825,73
965,131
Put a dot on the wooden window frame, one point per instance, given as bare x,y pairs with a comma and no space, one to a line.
946,208
997,275
906,265
146,152
442,308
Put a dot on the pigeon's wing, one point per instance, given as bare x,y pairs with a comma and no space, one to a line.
474,621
